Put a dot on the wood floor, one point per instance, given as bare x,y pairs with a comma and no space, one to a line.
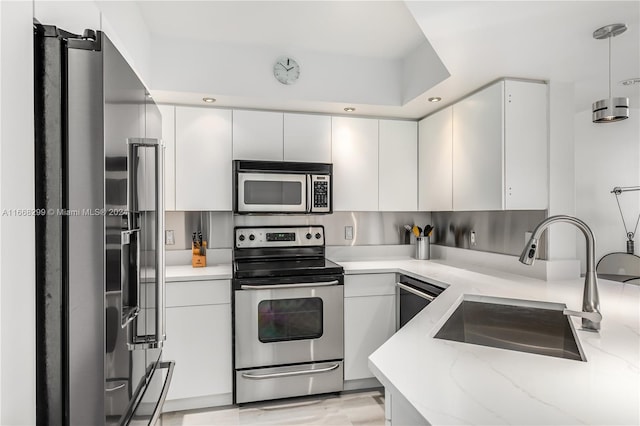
358,408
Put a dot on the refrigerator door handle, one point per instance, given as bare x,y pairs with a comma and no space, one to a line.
130,281
156,339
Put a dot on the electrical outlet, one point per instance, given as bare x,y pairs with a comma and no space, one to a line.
169,237
348,232
473,239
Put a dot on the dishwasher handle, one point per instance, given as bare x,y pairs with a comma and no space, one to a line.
416,292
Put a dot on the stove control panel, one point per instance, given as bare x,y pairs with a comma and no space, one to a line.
285,236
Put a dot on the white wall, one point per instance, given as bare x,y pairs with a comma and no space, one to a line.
607,155
120,20
239,70
17,320
561,236
17,267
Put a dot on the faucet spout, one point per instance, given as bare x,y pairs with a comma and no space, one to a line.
590,298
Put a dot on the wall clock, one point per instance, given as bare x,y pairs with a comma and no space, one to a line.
286,70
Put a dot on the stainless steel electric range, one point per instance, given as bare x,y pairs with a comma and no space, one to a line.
288,314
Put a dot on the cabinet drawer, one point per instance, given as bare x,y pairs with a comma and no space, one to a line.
369,285
191,293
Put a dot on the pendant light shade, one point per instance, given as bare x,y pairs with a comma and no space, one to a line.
610,109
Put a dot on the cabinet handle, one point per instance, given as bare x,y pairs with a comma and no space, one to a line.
416,292
295,285
289,373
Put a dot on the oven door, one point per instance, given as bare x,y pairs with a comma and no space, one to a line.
271,193
288,323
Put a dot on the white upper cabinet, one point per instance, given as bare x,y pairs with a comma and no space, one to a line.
435,162
203,159
478,150
354,153
257,135
500,148
307,138
169,139
398,166
526,166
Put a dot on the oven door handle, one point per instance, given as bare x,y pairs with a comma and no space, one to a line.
289,373
416,292
294,285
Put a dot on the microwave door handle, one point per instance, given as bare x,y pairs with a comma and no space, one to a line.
309,195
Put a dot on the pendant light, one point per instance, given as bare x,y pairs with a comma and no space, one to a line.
611,109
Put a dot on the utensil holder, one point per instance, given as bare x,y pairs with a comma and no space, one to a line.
199,255
423,248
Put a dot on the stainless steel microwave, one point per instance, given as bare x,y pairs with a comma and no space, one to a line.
279,187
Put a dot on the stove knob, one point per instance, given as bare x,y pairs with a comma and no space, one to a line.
308,236
318,236
241,237
252,237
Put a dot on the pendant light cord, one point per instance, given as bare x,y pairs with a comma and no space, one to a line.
610,37
629,235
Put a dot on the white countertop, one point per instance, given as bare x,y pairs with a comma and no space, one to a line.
459,383
189,273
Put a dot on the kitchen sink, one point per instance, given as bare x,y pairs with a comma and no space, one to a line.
518,325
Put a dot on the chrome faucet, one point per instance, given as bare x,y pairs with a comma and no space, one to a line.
590,314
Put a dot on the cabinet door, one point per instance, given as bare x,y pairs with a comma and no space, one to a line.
478,133
257,135
354,153
199,341
307,138
203,159
368,323
526,167
398,166
169,138
435,162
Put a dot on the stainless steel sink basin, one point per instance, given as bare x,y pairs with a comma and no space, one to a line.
518,325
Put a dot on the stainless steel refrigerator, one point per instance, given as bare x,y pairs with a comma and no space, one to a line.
99,235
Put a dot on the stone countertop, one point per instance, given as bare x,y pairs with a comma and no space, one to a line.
459,383
189,273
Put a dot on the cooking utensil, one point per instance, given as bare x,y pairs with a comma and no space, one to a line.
408,228
416,231
427,230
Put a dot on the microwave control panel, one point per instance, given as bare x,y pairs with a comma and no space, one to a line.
320,193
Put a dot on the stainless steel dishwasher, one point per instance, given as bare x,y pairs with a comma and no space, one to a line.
412,296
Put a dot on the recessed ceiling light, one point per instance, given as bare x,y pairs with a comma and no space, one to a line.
630,81
349,109
209,100
435,99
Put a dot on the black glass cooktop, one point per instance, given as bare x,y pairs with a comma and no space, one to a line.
285,267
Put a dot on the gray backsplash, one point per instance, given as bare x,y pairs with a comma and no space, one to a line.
369,228
496,231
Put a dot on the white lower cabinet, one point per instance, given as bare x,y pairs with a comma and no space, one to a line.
369,320
198,326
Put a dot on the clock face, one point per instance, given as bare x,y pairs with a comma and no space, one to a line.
286,70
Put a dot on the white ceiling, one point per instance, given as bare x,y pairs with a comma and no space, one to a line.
380,29
477,42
